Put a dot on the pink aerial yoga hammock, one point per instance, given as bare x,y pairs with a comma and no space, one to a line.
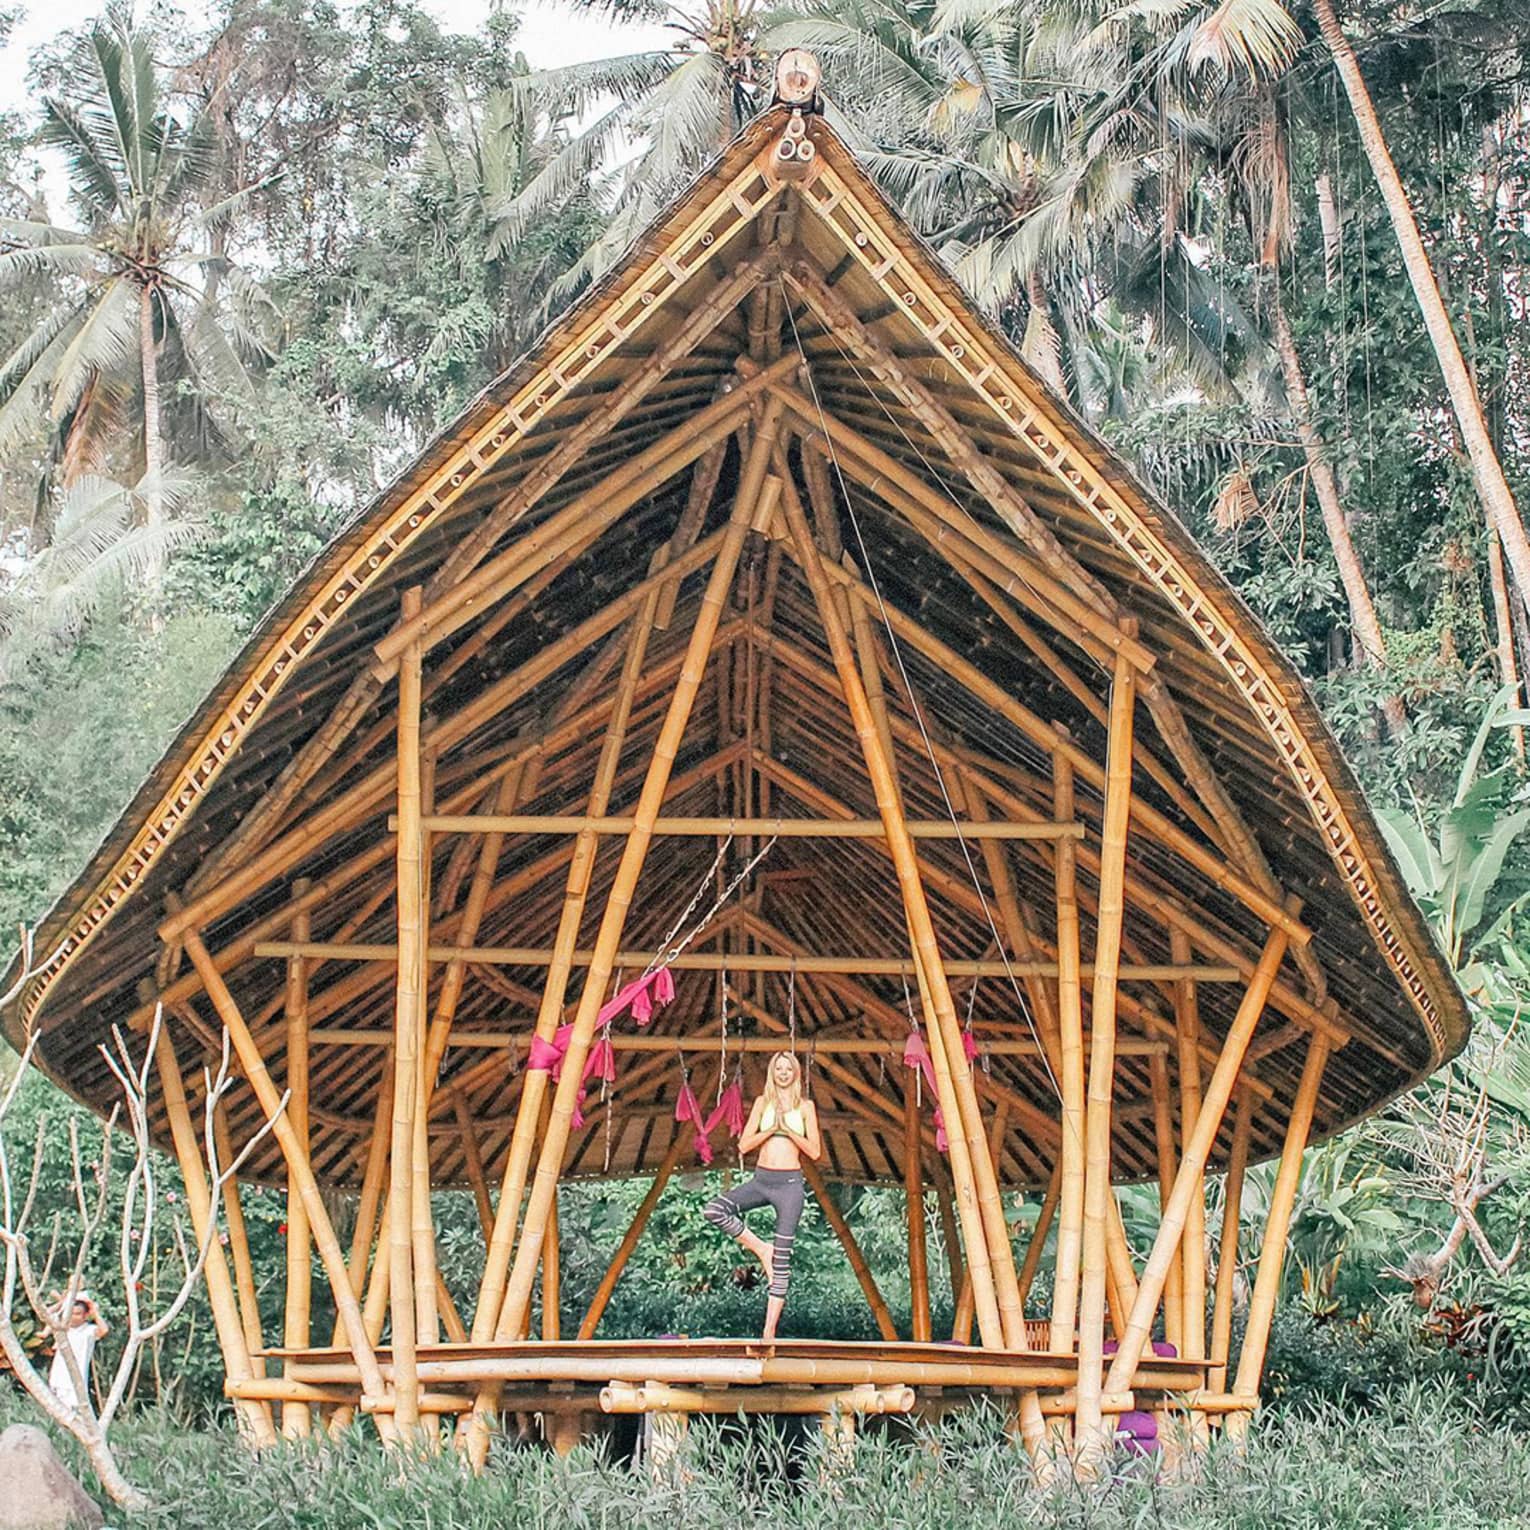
917,1055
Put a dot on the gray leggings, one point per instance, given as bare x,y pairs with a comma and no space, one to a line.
781,1188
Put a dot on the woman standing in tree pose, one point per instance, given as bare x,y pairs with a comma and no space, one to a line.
784,1127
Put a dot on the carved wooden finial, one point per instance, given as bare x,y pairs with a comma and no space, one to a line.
797,77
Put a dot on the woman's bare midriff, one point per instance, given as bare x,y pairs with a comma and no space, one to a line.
778,1153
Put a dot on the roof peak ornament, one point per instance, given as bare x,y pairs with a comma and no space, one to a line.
798,74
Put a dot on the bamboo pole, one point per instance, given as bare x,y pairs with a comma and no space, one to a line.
1192,1166
1187,1031
239,1248
407,1061
422,1232
254,1418
551,1282
603,1292
927,960
297,1417
1163,1140
1227,1254
913,1194
862,1271
298,1168
1044,1219
950,1233
1070,1016
710,828
555,986
753,490
473,1162
1272,1253
1102,1060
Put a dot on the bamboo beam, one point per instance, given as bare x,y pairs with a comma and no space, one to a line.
254,1418
600,505
753,492
817,1046
1102,1059
298,1167
1227,1254
297,1417
781,828
1192,1166
862,1271
913,1197
1272,1254
741,961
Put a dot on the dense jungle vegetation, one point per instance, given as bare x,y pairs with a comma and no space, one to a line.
251,258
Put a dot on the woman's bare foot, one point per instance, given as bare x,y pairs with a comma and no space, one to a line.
761,1251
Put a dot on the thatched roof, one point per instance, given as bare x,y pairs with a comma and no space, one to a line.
882,327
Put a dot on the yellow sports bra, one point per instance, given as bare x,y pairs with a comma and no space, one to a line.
793,1120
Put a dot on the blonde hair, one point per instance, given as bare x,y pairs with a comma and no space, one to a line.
791,1097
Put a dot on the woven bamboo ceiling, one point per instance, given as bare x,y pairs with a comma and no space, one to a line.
1008,556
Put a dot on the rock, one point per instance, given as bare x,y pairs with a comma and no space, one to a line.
36,1490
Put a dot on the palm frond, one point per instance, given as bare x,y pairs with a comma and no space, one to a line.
1256,37
108,335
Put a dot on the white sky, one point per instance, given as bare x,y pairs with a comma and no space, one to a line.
550,34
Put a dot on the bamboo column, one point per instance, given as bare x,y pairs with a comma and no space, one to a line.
913,1194
473,1162
239,1247
950,1234
1219,1088
407,1061
555,985
1227,1254
927,958
551,1284
602,1297
298,1169
1088,1418
1044,1219
1272,1254
836,1220
297,1417
755,495
1187,1035
1167,1153
254,1417
422,1232
1070,1020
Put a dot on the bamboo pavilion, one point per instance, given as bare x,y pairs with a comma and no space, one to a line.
772,635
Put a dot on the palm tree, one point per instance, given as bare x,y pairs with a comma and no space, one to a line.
1487,471
679,105
142,299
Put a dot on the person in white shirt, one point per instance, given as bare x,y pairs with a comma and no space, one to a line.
86,1325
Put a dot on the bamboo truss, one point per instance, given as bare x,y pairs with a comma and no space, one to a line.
778,554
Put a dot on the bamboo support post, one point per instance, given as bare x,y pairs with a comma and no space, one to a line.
603,1292
473,1162
407,1060
862,1271
1037,1245
552,1295
913,1196
1192,1166
1167,1153
1272,1253
239,1248
1102,1060
1187,1031
1227,1252
254,1417
297,1417
753,488
298,1167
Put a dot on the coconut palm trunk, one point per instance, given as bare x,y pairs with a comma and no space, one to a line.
153,441
1487,471
1357,592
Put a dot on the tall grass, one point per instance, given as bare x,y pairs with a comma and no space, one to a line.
1421,1459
